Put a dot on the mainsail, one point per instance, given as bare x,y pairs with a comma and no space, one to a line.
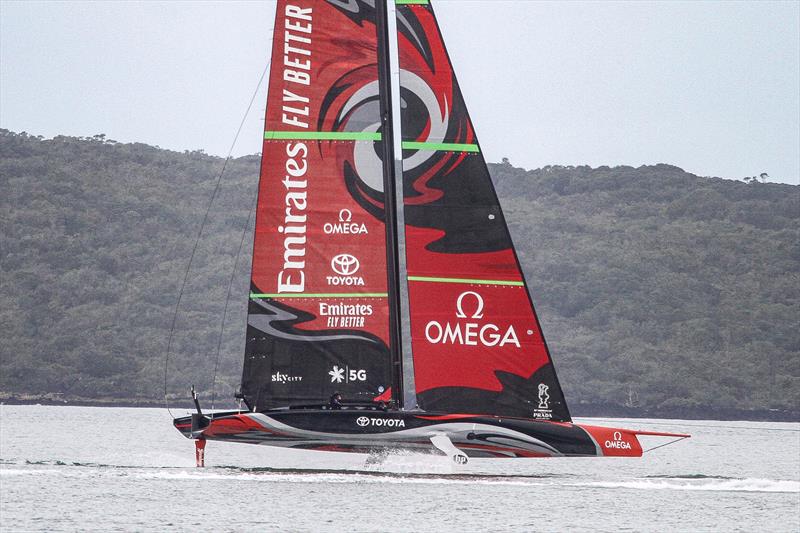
476,341
319,314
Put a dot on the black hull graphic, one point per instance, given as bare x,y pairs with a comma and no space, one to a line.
369,431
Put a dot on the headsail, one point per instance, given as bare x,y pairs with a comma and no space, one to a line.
476,340
318,317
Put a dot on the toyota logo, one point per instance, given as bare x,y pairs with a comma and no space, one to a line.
362,421
344,264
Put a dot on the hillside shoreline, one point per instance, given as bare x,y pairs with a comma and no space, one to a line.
655,288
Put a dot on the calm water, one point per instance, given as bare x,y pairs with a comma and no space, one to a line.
113,469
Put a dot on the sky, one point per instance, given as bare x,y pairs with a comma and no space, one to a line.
712,87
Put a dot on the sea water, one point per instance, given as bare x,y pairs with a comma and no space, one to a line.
116,469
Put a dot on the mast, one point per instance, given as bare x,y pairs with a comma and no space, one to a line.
390,201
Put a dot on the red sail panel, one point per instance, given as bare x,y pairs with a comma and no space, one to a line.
318,317
476,341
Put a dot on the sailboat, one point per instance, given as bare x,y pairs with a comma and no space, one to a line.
387,308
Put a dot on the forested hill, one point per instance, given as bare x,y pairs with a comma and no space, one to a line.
660,292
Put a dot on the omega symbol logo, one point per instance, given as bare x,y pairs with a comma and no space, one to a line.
618,443
362,421
460,302
344,264
345,215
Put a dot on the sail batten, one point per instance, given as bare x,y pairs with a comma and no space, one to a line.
324,135
466,281
440,146
323,295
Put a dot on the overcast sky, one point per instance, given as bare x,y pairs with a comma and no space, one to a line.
713,87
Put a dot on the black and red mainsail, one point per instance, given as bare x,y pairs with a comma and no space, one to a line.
477,344
319,317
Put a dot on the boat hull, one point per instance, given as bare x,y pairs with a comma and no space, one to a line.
369,431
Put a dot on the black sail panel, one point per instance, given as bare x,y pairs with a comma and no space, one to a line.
286,365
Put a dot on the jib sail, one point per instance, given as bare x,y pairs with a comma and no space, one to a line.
318,316
477,344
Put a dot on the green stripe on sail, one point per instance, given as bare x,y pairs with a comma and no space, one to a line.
471,281
444,147
324,135
411,2
254,295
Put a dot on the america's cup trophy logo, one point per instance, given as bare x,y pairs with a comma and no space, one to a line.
544,396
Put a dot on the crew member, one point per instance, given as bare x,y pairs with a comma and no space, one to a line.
336,401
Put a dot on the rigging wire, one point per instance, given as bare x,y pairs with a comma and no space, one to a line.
200,234
662,445
228,298
235,261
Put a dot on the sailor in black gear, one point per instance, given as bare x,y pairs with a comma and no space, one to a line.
336,401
